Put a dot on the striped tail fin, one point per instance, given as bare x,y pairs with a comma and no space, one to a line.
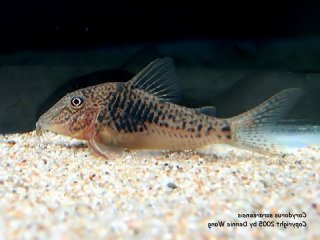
251,130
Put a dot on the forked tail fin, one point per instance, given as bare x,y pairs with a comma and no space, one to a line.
251,130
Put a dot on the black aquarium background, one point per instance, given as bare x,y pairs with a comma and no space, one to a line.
232,55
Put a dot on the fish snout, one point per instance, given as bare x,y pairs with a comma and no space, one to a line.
44,124
41,127
38,129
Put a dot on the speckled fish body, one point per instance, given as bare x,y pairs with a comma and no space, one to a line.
142,114
136,119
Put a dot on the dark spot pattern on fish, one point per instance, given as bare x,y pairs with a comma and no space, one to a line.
225,129
129,112
145,113
156,119
150,117
132,111
134,107
100,117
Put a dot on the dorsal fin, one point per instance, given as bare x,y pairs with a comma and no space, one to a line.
207,110
158,78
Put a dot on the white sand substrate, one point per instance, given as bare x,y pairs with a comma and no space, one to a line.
58,189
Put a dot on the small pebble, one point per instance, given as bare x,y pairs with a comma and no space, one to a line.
171,185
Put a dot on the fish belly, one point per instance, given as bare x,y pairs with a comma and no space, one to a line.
158,138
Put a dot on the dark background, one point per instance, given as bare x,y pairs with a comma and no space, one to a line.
77,24
230,54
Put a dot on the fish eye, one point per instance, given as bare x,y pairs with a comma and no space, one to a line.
77,101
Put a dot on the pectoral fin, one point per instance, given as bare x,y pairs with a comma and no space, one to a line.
103,150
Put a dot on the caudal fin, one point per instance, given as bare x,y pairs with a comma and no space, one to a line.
251,130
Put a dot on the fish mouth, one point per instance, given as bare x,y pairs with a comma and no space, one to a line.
42,127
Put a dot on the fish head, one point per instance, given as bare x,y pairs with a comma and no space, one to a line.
74,115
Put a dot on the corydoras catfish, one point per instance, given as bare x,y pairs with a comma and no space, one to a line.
142,114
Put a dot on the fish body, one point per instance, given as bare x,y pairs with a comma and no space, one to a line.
135,119
142,114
